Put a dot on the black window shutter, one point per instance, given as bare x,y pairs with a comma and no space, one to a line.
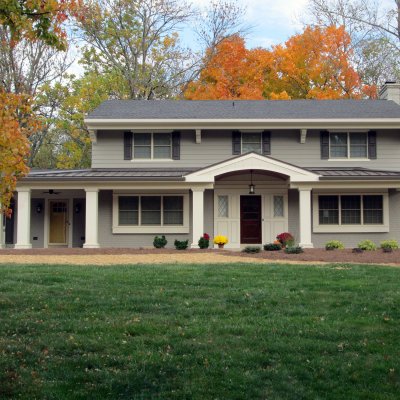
176,145
266,143
372,145
324,145
128,136
236,145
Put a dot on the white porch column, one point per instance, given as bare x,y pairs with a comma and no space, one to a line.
23,219
197,216
92,219
2,230
305,218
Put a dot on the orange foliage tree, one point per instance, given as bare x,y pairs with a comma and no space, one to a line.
16,123
231,72
312,65
315,65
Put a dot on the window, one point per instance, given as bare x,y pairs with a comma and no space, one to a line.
152,146
278,206
245,142
251,142
223,207
350,210
151,214
128,210
348,145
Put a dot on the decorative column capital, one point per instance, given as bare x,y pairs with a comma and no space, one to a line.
23,190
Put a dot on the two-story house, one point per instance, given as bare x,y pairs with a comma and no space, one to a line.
249,170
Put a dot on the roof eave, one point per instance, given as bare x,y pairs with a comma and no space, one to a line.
304,123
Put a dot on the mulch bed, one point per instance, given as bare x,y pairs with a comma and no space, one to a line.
338,256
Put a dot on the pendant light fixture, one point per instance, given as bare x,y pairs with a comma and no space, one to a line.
252,187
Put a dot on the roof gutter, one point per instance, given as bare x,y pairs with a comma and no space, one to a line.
320,123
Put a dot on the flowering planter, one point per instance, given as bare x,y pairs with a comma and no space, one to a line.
221,246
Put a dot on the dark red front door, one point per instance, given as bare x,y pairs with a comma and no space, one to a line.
250,219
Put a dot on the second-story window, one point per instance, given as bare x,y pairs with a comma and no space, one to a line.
348,145
251,142
152,146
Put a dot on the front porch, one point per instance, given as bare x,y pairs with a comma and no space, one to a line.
126,209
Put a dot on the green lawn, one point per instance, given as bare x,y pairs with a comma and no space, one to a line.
199,332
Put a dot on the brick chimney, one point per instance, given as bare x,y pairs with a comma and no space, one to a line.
390,91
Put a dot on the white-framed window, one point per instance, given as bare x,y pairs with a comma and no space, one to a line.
351,212
347,145
251,141
152,145
150,213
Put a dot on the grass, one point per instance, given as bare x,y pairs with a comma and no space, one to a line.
199,332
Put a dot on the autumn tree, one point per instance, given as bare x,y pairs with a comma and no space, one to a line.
24,26
315,65
219,21
374,29
312,65
38,20
231,72
16,123
138,40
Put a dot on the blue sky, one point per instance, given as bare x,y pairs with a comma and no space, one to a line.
272,21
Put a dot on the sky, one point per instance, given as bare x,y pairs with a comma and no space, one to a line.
272,21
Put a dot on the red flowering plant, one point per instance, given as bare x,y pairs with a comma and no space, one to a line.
204,241
285,238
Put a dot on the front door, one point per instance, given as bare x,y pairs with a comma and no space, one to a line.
250,219
58,232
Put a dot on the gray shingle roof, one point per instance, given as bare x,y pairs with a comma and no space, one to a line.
245,109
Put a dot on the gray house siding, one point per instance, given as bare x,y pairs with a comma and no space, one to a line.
293,211
216,146
78,223
37,223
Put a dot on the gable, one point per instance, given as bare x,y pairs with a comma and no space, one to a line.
252,161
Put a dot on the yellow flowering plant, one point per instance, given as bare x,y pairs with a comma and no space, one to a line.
220,239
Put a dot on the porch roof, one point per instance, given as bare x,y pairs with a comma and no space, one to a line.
344,173
105,174
178,174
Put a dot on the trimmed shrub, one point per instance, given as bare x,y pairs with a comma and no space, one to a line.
160,242
368,245
251,249
334,245
389,244
181,244
294,250
272,247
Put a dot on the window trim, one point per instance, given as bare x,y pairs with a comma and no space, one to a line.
349,158
151,159
350,228
151,229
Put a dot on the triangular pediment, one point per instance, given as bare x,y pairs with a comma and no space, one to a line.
252,161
